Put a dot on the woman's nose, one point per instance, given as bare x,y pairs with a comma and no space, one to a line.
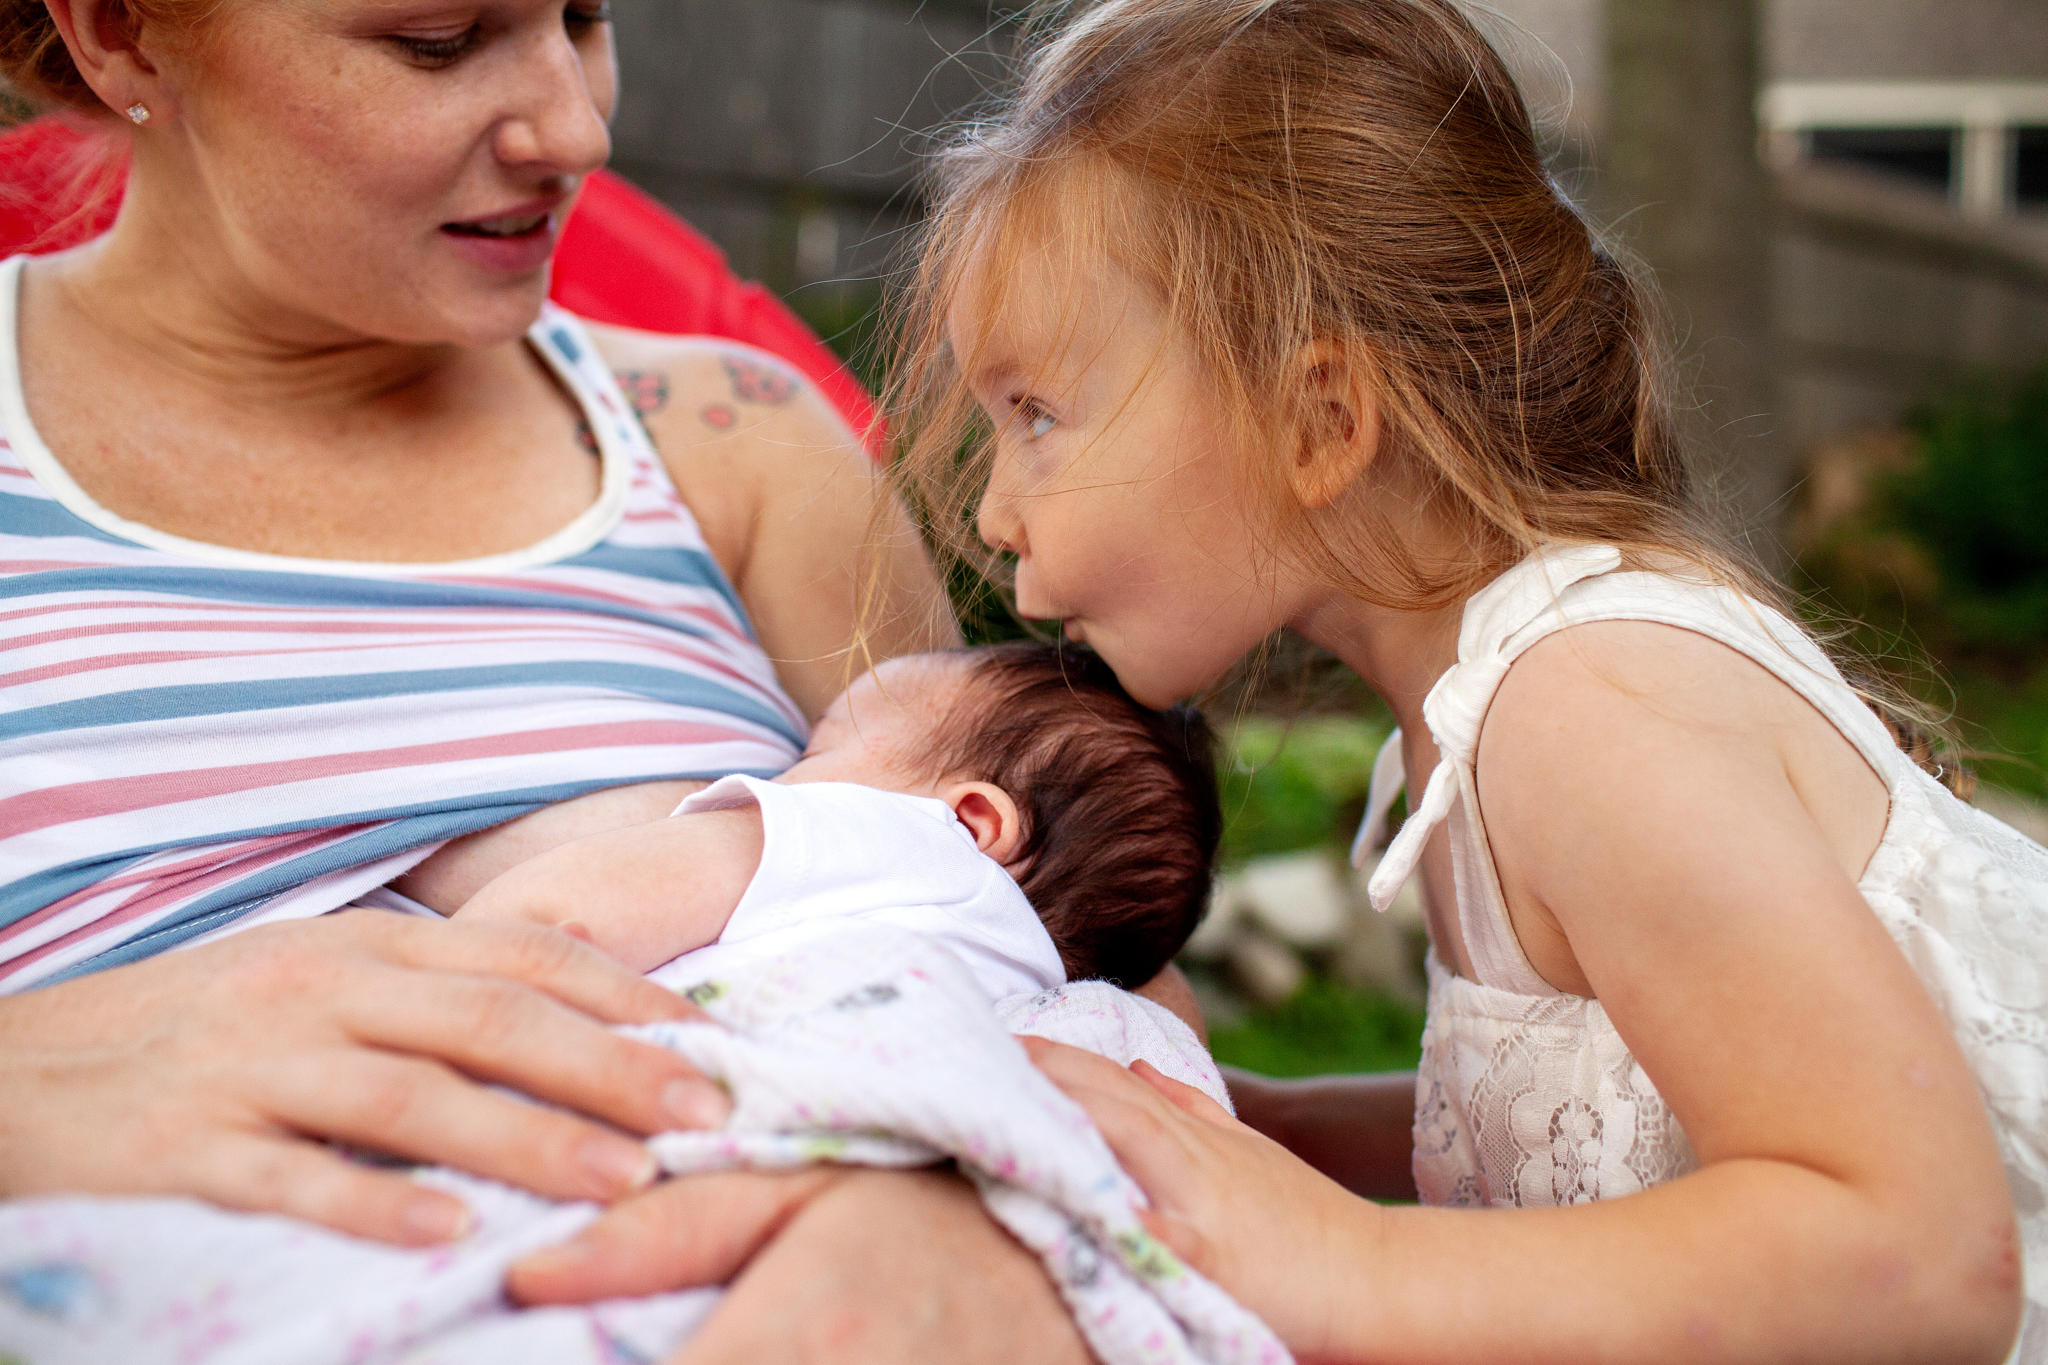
562,121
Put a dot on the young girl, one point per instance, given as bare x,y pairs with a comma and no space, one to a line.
1274,319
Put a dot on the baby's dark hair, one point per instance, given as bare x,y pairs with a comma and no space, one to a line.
1118,802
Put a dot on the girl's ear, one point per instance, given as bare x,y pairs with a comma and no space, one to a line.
1339,432
990,816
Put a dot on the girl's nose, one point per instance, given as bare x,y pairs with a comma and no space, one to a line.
998,523
561,121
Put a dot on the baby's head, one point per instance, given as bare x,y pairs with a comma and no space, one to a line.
1105,812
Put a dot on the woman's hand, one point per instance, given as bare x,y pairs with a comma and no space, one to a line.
1229,1201
207,1072
894,1267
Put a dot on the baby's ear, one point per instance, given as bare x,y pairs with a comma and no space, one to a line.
990,816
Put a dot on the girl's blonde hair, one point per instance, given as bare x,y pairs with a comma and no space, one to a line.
1359,172
1287,172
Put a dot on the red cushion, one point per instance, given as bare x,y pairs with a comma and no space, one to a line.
624,259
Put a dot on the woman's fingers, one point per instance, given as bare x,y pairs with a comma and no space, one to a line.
564,966
503,1031
420,1110
263,1174
890,1268
696,1230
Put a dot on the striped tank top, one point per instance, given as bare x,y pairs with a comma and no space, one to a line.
194,737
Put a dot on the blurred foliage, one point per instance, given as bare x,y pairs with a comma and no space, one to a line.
1326,1027
1976,501
1296,784
1935,565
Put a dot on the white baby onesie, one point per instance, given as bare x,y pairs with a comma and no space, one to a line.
839,851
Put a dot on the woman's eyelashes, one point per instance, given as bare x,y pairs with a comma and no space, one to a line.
438,52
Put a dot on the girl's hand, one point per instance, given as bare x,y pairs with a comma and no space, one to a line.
1232,1203
948,1286
209,1072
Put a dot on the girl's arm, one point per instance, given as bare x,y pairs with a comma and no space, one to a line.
1652,794
644,894
1357,1130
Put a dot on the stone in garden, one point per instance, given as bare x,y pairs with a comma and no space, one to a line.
1298,897
1218,930
2027,816
1266,970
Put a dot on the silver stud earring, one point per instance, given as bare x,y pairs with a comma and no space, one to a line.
138,113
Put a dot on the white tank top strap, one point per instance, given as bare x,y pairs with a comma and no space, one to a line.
1546,593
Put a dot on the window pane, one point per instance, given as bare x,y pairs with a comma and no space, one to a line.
1923,154
2030,167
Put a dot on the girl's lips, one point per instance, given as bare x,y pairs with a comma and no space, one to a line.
513,253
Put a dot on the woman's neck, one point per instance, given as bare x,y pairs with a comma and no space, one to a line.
174,300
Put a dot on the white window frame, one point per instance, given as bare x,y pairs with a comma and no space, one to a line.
1985,111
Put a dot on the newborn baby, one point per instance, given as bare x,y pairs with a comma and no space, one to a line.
1012,802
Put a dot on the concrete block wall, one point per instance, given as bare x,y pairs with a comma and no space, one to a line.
788,129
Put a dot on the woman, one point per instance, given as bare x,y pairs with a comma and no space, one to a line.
315,584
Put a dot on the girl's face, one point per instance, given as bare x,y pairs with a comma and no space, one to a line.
396,169
1115,481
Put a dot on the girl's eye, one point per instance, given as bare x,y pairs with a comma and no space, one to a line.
1036,419
437,52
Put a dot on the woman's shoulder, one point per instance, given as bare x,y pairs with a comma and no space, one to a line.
738,428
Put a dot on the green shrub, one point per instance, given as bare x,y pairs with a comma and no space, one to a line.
1326,1027
1976,500
1298,784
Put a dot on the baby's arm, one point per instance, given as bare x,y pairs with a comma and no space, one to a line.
645,894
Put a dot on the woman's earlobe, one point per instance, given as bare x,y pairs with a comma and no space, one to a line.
990,816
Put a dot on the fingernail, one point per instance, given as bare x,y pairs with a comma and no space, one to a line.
617,1166
436,1218
694,1104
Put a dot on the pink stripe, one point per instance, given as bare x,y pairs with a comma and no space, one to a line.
174,874
119,795
50,565
696,657
158,898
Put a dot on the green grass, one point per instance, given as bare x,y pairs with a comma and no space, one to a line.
1296,784
1326,1027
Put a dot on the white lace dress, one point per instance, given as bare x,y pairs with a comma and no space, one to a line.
1527,1096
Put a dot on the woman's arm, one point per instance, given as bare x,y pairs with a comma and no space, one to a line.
828,563
214,1072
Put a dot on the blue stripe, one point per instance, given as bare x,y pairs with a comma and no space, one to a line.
670,686
265,587
687,567
47,519
463,815
252,893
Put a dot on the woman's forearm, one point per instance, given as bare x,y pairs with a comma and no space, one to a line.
1357,1130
